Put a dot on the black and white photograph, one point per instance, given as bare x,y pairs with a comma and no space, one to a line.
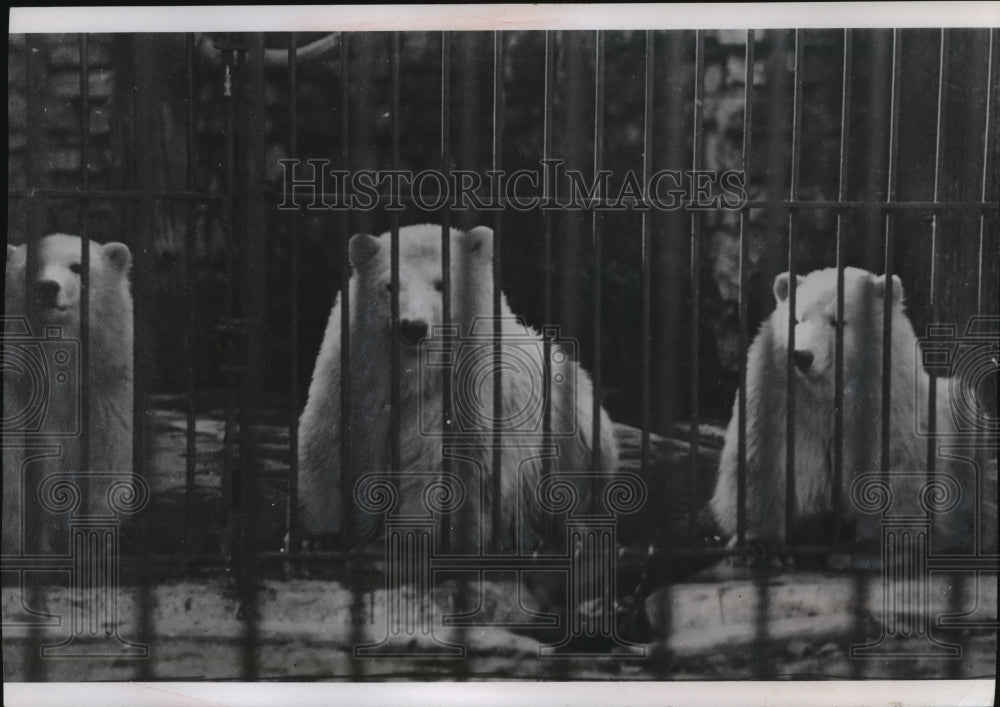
443,347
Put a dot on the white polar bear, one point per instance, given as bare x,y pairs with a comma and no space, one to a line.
51,315
766,427
420,303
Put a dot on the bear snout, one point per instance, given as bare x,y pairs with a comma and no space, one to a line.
411,331
47,292
803,360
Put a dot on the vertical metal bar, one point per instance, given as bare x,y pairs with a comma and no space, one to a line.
142,116
598,248
253,295
346,382
793,194
229,78
470,526
35,57
759,663
647,250
395,378
573,76
547,109
838,345
497,159
84,259
776,80
986,163
981,426
935,220
697,148
876,127
886,431
446,284
860,596
741,397
293,349
351,539
34,52
670,251
189,261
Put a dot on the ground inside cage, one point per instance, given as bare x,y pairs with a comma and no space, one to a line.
807,626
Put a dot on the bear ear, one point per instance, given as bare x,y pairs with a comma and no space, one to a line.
363,248
118,255
781,286
897,287
479,241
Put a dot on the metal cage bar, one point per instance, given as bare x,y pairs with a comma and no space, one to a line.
886,403
935,224
598,245
35,80
144,92
697,157
987,124
447,286
230,69
988,128
395,424
646,250
547,137
741,396
347,471
497,275
85,264
253,274
292,509
838,352
190,244
793,192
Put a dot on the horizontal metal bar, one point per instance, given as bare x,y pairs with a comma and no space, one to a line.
877,205
537,201
519,200
499,562
107,194
375,555
963,562
37,563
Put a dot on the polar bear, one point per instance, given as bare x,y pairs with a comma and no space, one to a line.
43,324
423,372
813,369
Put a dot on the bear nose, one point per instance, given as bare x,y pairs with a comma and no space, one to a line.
803,360
412,331
47,291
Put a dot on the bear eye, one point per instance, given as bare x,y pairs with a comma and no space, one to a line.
388,287
75,268
833,320
438,285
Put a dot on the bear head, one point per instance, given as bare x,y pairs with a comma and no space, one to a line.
421,284
816,320
54,288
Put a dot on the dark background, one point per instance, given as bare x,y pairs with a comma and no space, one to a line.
958,239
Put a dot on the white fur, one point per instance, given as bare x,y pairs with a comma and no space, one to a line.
320,501
814,410
110,369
